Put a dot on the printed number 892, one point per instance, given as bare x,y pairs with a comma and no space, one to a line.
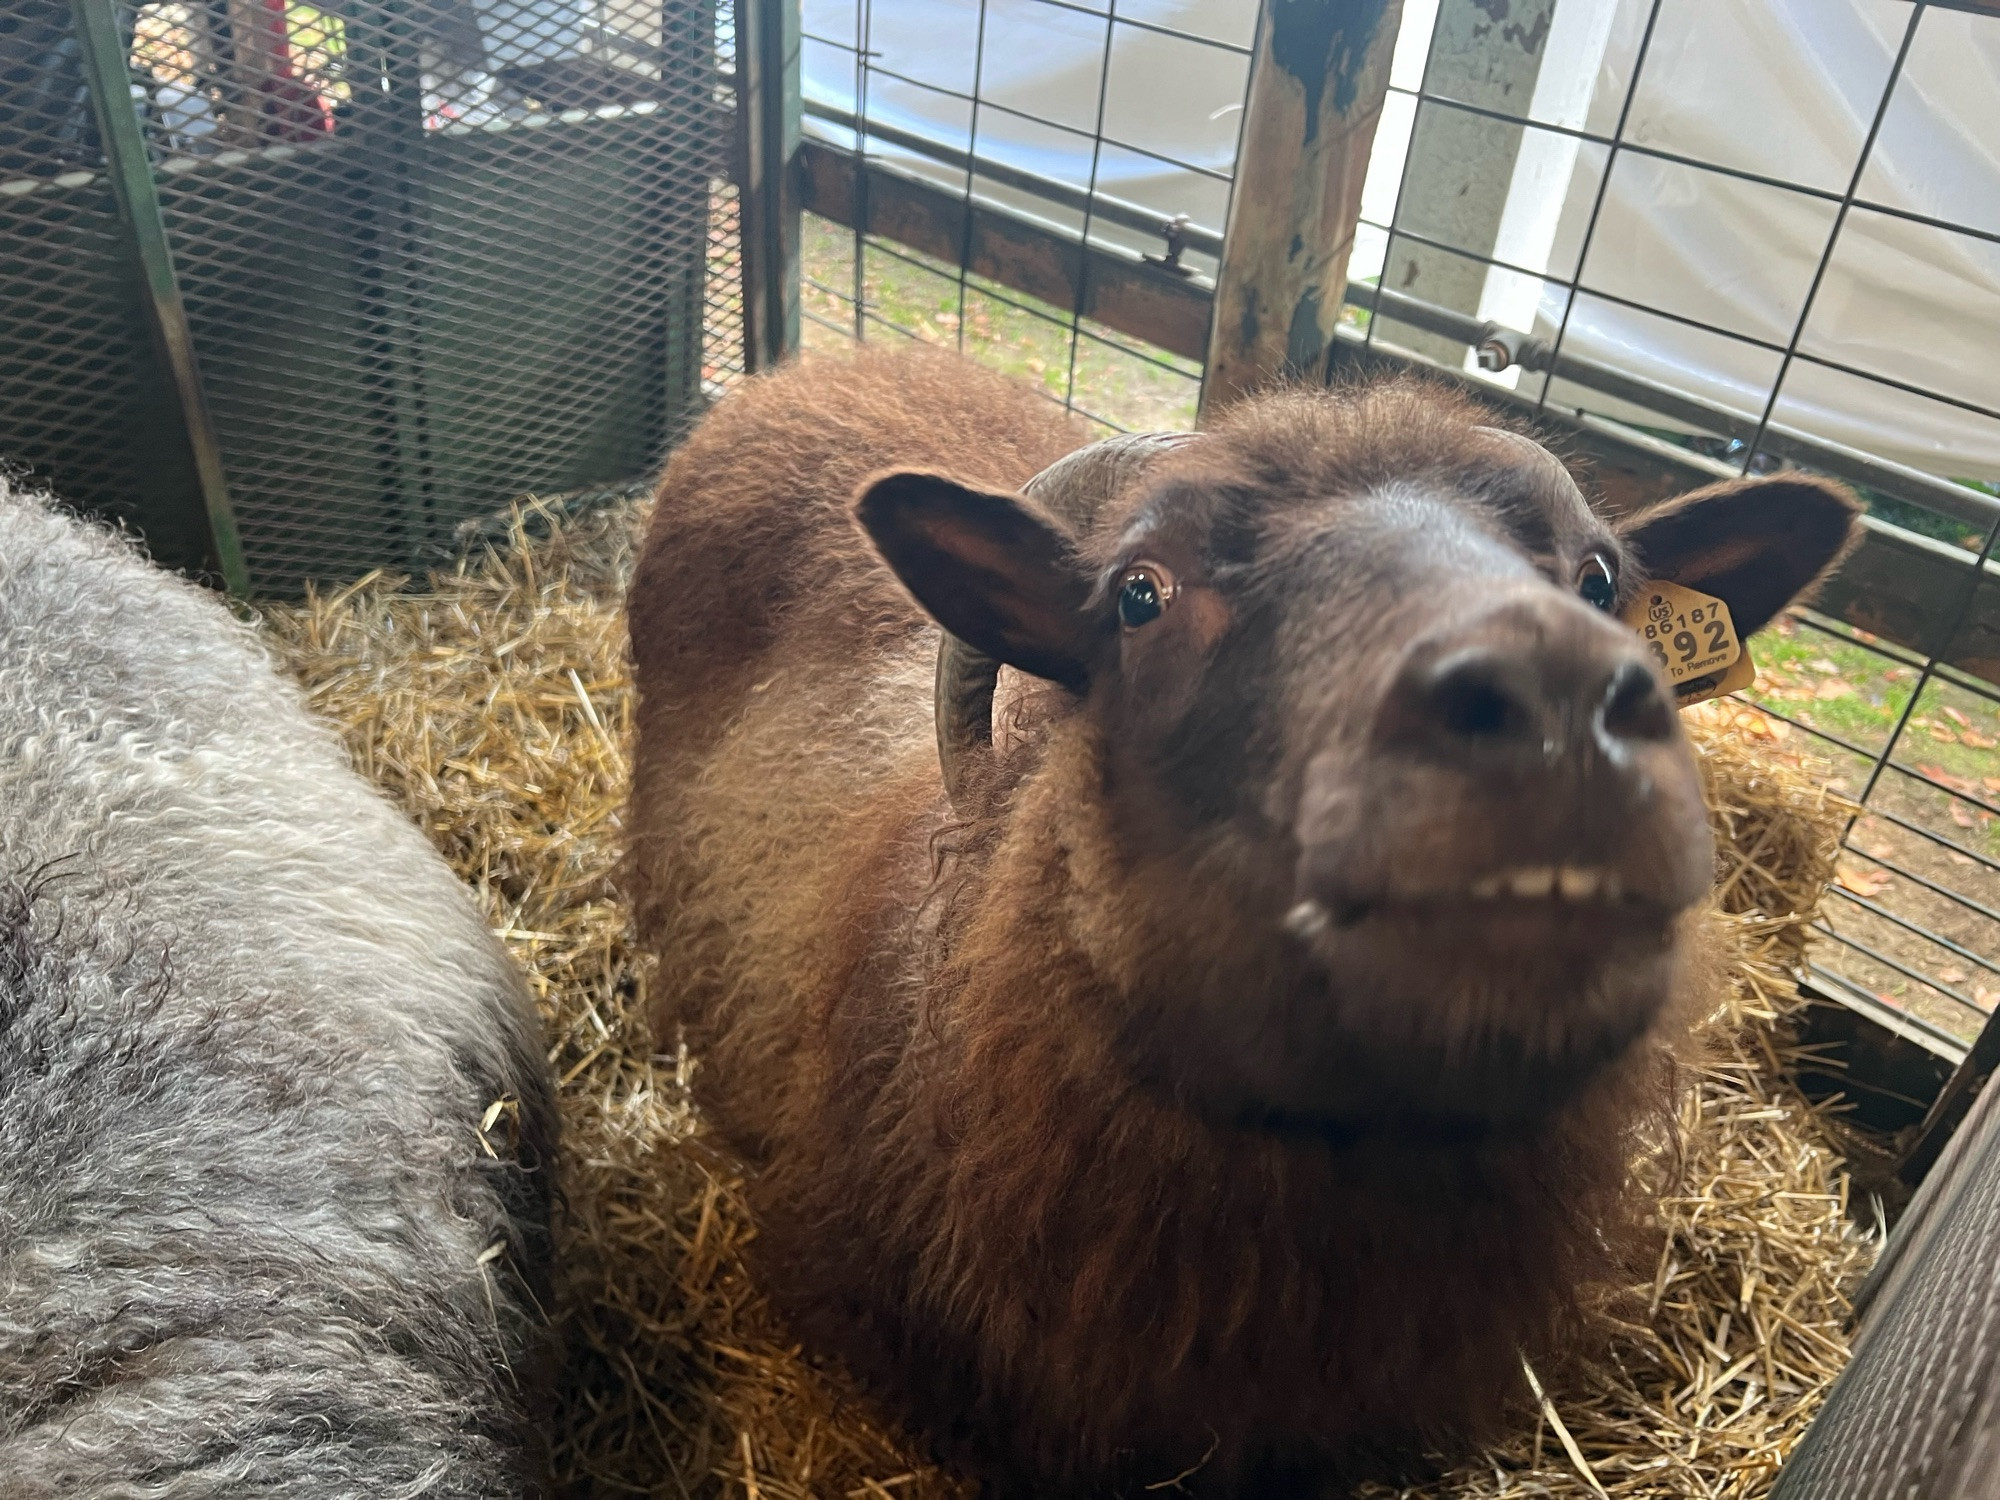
1686,645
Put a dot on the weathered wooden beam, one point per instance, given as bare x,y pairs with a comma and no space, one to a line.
1317,82
1906,588
1121,292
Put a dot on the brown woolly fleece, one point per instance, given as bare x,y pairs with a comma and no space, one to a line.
915,1025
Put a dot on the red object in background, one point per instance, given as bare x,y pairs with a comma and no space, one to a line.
291,109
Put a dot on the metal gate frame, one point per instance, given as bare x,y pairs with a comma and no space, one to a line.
195,241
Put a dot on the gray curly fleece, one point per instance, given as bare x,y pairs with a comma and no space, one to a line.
251,1238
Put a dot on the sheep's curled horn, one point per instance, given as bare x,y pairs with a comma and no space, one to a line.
1072,489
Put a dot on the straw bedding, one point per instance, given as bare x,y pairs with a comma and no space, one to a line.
491,701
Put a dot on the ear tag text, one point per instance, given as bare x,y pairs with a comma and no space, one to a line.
1693,639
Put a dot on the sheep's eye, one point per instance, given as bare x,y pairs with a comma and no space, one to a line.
1596,585
1143,593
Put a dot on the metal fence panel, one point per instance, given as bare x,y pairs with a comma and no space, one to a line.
1915,919
986,174
1017,223
432,254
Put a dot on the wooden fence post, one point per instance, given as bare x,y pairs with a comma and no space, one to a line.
1317,83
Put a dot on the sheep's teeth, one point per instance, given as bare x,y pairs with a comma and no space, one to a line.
1307,919
1525,882
1578,885
1533,883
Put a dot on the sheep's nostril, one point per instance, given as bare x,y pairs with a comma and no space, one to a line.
1470,698
1635,707
1535,685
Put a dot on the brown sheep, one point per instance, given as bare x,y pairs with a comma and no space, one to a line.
1237,1072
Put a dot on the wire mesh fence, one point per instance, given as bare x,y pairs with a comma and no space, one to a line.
1041,111
1859,231
434,254
1535,166
429,255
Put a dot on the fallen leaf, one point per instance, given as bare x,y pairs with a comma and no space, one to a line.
1977,741
1992,783
1962,815
1821,664
1939,732
1833,687
1945,779
1953,976
1956,717
1868,883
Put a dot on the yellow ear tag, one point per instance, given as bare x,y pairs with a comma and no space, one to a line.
1693,639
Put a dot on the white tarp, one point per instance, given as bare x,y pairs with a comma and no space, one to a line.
1786,89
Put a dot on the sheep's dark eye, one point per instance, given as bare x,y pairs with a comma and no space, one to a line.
1596,585
1139,601
1145,591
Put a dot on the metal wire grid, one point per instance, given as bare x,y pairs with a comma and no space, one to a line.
859,280
1915,1410
435,254
71,347
1916,917
1928,939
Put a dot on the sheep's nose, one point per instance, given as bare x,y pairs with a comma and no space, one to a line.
1530,684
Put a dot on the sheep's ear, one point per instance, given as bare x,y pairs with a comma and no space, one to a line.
1756,544
990,567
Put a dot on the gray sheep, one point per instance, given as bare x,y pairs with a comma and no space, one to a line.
261,1228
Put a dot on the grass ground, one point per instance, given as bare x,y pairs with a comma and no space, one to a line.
1913,884
1113,379
1845,688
